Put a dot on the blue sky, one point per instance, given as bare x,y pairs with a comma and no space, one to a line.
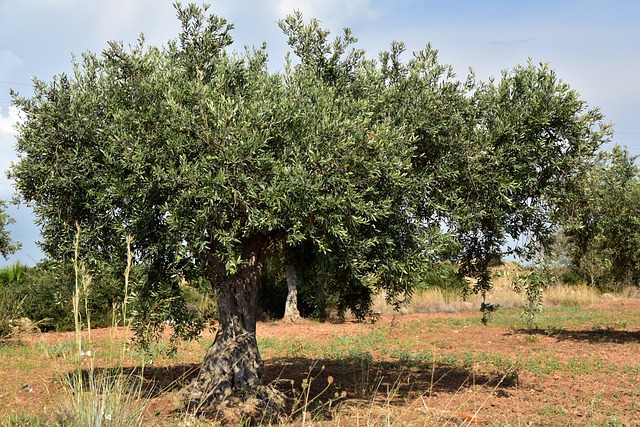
593,45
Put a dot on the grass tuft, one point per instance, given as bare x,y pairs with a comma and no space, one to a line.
102,400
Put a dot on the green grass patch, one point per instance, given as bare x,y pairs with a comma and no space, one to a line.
22,420
552,411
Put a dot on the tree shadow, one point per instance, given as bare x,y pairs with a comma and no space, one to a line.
596,335
363,381
148,381
319,381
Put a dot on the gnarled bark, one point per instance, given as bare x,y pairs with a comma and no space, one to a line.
232,369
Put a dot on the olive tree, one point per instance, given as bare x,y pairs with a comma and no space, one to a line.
601,221
531,139
207,159
495,159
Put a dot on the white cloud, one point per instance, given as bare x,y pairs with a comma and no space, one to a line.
7,152
7,124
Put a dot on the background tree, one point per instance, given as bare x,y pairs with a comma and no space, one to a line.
208,159
7,246
308,272
495,159
533,138
601,222
291,312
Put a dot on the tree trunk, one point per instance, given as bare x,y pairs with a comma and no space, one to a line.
230,376
291,312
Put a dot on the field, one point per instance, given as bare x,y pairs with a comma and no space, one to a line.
579,365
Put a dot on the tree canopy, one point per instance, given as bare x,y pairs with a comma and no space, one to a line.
206,158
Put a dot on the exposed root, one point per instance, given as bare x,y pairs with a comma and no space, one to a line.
242,407
229,387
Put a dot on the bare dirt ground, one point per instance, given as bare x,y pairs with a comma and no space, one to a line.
412,369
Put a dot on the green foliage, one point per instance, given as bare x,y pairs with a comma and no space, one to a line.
601,222
532,282
7,246
47,297
533,135
495,158
11,305
570,276
224,150
44,294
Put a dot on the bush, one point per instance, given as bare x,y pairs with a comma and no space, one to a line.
45,293
46,301
571,277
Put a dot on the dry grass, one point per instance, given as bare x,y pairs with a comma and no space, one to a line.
558,295
570,296
437,300
627,293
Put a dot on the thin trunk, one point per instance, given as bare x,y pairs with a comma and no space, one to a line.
291,312
232,368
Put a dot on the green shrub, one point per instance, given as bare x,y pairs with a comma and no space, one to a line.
570,276
46,300
45,292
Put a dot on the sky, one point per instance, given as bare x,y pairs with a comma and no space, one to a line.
593,45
